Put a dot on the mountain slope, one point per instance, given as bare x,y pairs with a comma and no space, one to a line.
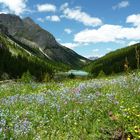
32,35
115,61
16,59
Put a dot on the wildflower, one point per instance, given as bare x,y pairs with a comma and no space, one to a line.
128,138
136,131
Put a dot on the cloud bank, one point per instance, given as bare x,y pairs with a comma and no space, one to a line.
111,33
16,7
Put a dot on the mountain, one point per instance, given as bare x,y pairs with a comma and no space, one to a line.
32,35
16,59
116,61
93,58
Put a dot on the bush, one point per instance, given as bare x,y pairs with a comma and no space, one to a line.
47,77
26,77
101,74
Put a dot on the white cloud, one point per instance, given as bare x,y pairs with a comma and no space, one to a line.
108,33
40,19
16,7
53,18
64,6
134,19
70,45
46,7
80,16
109,49
85,44
68,31
122,4
96,53
3,12
95,50
58,39
133,42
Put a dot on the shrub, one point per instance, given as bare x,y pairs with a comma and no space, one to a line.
101,74
47,77
26,77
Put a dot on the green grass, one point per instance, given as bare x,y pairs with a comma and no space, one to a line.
98,109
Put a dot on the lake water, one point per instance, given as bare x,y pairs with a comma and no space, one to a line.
77,72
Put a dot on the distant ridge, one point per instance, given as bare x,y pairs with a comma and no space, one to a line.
93,58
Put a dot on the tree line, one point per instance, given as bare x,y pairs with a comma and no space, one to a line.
16,65
116,61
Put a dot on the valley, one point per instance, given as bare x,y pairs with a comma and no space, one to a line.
50,92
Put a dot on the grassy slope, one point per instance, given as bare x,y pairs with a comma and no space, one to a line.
22,49
113,62
31,54
96,109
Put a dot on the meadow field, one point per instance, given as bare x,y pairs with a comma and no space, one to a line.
97,109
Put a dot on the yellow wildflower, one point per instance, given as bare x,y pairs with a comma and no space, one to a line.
128,138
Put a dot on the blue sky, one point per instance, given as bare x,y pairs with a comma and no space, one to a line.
89,27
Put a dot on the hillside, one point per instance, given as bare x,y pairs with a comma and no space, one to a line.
17,58
114,62
33,36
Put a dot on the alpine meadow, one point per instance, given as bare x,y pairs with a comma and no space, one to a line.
69,70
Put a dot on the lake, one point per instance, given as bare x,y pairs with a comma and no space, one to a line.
77,73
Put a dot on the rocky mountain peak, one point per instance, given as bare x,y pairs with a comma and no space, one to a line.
8,18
